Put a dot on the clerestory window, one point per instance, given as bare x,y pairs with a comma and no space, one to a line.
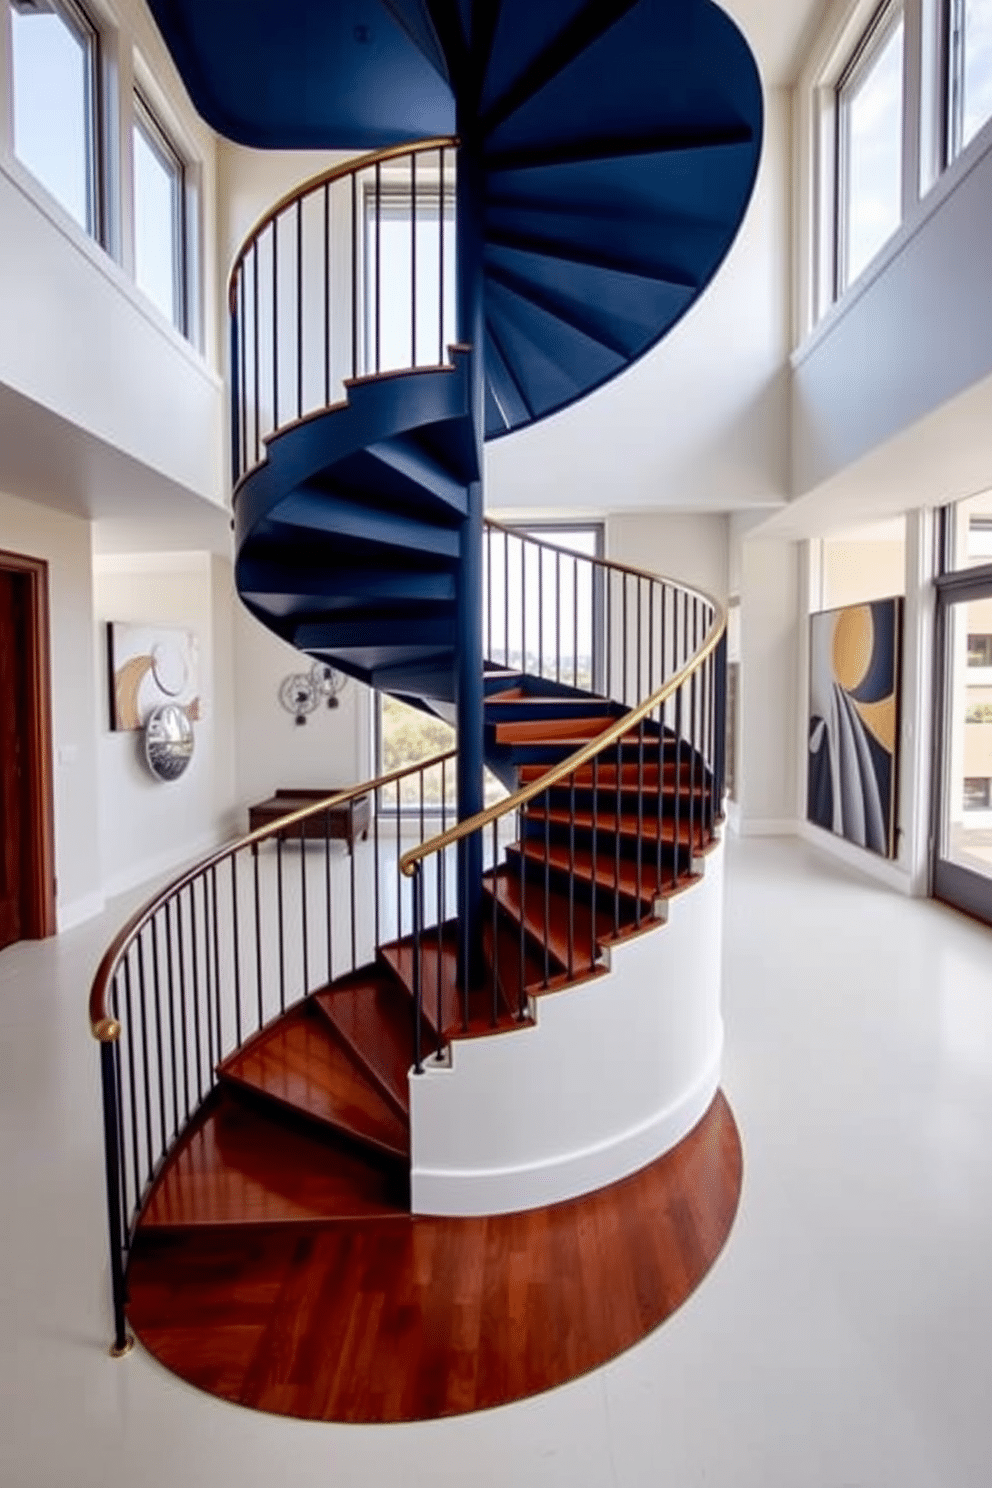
160,236
970,71
55,84
870,146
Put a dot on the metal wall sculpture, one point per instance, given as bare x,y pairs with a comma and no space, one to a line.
854,686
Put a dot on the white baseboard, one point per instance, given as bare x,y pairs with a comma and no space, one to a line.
767,826
68,916
868,863
567,1175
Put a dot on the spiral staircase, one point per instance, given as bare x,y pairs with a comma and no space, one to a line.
596,160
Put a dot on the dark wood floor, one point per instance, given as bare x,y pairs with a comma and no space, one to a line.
409,1318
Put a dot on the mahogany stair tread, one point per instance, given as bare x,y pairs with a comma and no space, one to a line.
371,1015
438,967
238,1166
298,1064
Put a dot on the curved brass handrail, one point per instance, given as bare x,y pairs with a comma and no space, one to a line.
327,178
104,1027
623,725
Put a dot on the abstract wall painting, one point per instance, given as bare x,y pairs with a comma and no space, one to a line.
151,665
854,697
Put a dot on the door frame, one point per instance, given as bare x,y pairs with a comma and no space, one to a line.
949,882
38,908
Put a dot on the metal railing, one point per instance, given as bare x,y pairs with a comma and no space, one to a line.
622,819
350,275
230,945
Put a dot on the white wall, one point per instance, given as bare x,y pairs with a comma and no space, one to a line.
76,336
64,542
331,749
769,642
913,334
701,421
147,826
683,546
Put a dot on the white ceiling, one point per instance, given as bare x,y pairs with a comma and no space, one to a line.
779,32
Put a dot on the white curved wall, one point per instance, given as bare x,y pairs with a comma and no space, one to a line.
613,1073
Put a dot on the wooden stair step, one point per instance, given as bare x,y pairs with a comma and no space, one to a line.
633,776
559,860
553,730
505,887
441,963
373,1018
235,1165
647,828
298,1064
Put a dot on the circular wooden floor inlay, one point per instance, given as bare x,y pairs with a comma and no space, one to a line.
412,1318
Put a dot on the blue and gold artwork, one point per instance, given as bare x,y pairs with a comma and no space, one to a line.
854,722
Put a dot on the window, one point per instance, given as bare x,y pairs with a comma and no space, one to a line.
55,88
869,146
403,329
976,793
159,217
970,81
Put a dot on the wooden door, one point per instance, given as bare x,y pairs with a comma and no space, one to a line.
14,823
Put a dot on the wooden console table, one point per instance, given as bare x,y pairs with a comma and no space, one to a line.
344,823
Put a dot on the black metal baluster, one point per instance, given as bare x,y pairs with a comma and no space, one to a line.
183,1030
522,1004
438,977
575,622
256,351
540,612
594,850
159,1046
640,812
495,926
129,1035
616,839
661,793
282,931
506,599
640,640
354,274
197,1042
243,328
557,616
440,262
547,886
174,1062
609,631
489,594
299,307
327,294
215,940
376,804
304,926
463,931
111,1135
275,323
195,945
258,933
119,1125
678,786
146,1065
571,878
235,945
418,994
626,639
413,259
523,606
378,267
327,892
399,876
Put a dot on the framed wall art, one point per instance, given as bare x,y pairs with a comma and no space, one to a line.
149,666
854,701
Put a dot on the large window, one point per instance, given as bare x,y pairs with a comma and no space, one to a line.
869,146
159,217
970,83
404,328
56,113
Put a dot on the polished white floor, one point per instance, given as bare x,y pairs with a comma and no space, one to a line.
844,1339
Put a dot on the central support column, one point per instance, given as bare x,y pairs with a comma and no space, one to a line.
470,692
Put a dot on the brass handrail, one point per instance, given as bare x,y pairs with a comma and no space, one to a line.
410,860
327,178
104,1027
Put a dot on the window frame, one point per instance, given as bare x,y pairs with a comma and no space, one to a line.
146,120
871,43
953,59
77,19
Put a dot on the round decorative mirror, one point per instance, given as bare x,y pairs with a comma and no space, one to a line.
168,742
